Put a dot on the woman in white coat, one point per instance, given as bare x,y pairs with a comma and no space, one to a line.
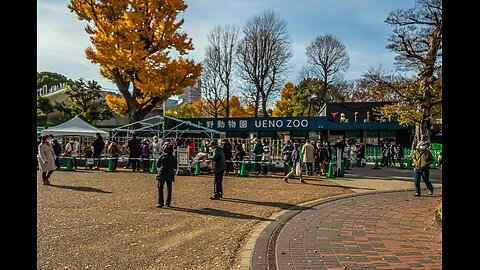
46,158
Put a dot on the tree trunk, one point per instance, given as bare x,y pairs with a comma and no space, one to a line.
264,106
227,109
257,104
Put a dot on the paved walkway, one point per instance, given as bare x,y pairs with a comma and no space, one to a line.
383,226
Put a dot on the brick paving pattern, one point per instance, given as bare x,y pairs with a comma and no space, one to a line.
373,231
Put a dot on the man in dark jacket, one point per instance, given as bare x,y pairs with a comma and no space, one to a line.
227,151
257,154
57,149
134,151
166,164
219,165
98,145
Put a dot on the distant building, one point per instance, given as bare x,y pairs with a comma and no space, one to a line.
57,93
191,93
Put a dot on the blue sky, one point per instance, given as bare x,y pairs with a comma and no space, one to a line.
358,24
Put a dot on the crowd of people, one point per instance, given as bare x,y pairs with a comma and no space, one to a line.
225,158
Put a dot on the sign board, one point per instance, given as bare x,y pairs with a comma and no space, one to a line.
183,158
254,123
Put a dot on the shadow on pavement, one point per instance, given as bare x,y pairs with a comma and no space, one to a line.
218,213
86,189
280,205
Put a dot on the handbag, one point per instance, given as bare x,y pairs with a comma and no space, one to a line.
298,169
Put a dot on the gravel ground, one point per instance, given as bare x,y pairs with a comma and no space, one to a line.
108,220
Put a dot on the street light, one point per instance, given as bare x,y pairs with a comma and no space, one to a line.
312,97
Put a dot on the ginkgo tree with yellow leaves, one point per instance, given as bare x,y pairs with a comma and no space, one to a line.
140,47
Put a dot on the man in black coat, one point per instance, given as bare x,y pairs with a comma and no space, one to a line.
219,165
227,152
98,145
134,150
166,164
57,149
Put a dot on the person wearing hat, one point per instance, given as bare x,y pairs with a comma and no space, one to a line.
46,158
219,165
422,159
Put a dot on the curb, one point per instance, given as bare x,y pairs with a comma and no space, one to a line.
438,221
283,216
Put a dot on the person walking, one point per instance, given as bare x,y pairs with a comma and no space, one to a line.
113,151
57,149
227,152
422,159
287,151
238,155
146,152
308,151
219,165
296,169
257,154
72,150
266,156
134,151
98,145
166,165
46,158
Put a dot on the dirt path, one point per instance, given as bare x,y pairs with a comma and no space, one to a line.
102,220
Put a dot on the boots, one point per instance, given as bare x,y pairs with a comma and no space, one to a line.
46,182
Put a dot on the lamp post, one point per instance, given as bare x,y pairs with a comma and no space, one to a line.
312,97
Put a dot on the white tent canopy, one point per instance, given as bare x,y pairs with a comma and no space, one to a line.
75,127
156,125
